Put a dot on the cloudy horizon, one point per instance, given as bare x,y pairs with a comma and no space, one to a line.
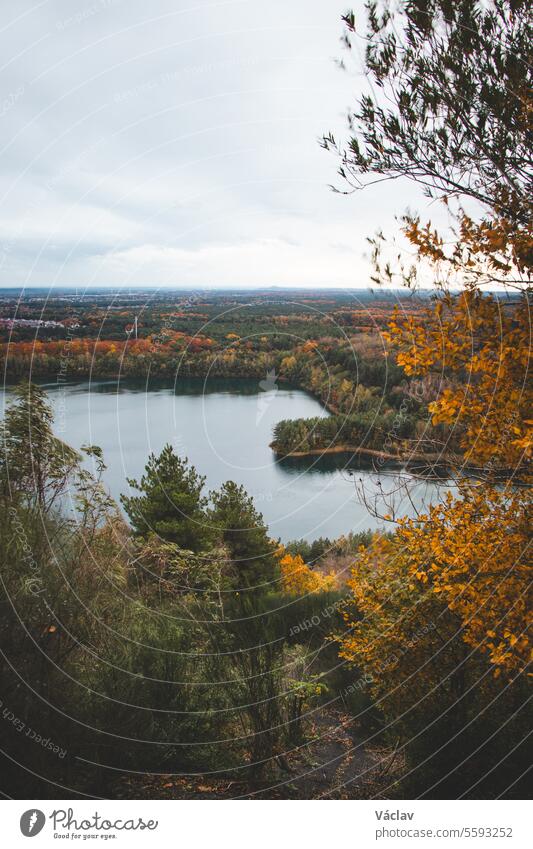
179,147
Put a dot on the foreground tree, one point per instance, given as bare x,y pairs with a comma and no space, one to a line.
429,675
474,553
33,462
451,110
63,575
243,531
478,347
171,503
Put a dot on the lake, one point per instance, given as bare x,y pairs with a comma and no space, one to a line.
224,427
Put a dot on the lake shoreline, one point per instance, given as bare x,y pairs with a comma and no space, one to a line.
225,435
350,449
435,462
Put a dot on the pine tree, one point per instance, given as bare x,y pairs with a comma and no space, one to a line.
171,503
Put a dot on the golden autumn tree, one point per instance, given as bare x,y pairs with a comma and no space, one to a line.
428,679
299,579
400,635
480,348
464,135
473,549
473,552
470,557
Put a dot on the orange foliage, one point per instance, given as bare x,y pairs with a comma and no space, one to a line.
298,578
395,631
469,557
485,348
473,553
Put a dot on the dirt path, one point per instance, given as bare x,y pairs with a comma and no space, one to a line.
334,763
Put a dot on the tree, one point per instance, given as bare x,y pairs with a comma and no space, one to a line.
395,628
481,346
163,568
458,120
171,503
452,105
63,577
245,534
34,463
429,673
251,633
473,552
298,578
451,110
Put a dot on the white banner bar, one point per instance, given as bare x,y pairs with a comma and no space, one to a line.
267,824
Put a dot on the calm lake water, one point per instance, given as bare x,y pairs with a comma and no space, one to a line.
224,428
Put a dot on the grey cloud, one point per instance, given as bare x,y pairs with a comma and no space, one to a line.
168,142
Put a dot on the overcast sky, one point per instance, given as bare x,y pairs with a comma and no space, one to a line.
174,142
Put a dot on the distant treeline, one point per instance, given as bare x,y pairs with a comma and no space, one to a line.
373,405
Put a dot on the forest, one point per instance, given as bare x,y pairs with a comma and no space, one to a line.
354,376
168,647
